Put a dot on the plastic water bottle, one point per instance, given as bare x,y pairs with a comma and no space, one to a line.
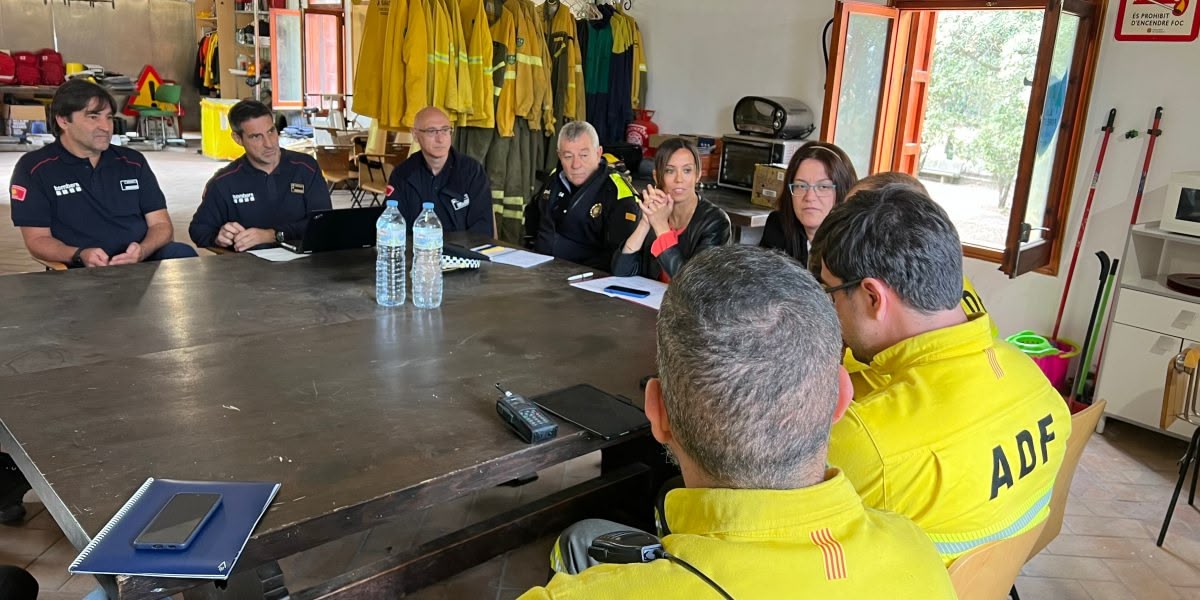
391,233
427,259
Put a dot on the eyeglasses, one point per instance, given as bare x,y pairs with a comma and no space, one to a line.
436,132
799,188
831,289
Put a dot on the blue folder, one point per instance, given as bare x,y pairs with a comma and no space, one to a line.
211,555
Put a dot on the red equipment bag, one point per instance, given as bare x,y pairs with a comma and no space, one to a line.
8,68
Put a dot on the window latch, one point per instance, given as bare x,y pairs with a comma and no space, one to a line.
1027,230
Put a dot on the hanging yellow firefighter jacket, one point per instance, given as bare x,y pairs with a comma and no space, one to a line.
465,101
525,59
370,73
478,40
417,42
504,70
566,61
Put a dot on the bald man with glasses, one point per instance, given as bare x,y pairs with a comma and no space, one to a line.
455,183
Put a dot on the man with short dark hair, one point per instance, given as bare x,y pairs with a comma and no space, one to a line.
455,183
264,197
748,355
964,434
587,210
82,201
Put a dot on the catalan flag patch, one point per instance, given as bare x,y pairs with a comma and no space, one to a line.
831,549
17,192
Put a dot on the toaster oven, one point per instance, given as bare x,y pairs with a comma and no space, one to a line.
740,154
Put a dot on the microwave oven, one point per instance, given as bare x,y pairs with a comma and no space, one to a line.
1181,209
741,153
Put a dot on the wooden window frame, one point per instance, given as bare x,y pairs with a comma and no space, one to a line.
895,131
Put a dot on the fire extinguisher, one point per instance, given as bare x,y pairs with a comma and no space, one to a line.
639,131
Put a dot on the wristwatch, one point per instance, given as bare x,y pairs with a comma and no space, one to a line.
279,237
76,259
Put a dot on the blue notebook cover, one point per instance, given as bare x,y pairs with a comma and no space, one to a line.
210,556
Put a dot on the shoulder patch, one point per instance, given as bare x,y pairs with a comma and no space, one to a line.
17,192
630,217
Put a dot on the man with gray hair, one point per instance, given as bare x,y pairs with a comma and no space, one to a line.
962,432
587,210
748,354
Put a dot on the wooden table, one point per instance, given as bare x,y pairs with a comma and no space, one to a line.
234,368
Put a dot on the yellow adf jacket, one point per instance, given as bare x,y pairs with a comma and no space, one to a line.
478,40
865,380
460,66
814,542
965,437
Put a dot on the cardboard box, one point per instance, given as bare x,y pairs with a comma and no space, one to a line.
22,112
769,185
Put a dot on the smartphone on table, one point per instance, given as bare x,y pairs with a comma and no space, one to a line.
179,521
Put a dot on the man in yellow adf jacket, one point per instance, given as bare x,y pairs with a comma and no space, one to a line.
965,435
760,516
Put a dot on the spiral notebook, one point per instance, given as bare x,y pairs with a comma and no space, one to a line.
211,555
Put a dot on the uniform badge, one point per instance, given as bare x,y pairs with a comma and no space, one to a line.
129,185
595,212
17,192
511,59
630,217
461,204
297,188
388,192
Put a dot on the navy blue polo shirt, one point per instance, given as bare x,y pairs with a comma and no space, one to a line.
281,200
460,192
84,206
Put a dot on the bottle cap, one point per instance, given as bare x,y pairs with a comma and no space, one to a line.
393,203
427,205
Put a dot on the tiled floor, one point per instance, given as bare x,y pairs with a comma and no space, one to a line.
1106,550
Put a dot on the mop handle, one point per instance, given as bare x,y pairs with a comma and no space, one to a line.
1087,210
1154,132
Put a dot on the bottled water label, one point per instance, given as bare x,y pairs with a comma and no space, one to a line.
427,238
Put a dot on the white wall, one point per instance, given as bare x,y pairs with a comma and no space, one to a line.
1134,78
705,54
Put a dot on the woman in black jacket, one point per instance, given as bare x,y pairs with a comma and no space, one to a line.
676,223
819,176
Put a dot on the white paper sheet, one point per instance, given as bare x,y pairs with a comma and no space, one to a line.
656,289
514,257
277,254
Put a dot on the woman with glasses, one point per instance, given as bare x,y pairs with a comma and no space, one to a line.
676,223
819,177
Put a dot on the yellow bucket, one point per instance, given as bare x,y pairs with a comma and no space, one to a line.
73,68
216,138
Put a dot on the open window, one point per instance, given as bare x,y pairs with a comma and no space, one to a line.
982,101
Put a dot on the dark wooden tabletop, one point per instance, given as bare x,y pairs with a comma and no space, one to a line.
234,368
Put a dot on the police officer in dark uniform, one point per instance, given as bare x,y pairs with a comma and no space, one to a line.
587,209
84,202
264,197
455,183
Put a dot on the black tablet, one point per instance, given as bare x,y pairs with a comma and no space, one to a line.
593,410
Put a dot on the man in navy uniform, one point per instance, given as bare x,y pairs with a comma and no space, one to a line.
84,202
455,183
263,198
586,210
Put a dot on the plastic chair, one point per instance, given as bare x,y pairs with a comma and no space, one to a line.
164,94
1181,395
988,572
51,265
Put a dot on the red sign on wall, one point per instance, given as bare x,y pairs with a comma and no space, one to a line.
1157,21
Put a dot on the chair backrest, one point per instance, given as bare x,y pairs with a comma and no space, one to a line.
988,572
168,93
333,160
374,170
1083,425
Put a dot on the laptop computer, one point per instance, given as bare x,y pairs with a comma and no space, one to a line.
340,229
